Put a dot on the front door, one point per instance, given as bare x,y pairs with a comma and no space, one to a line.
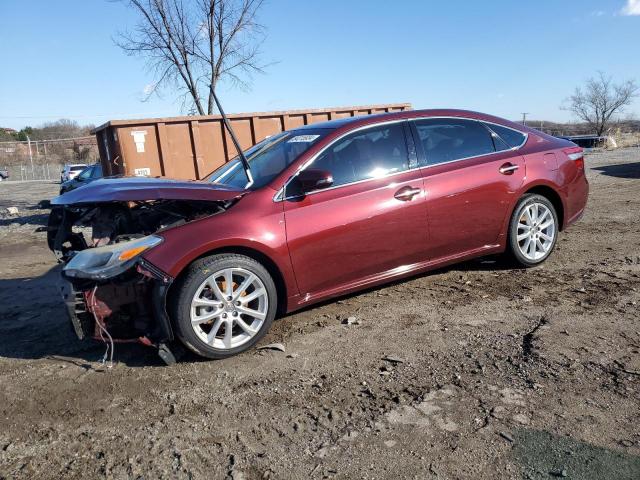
370,224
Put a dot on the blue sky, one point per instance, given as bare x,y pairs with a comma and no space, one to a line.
502,57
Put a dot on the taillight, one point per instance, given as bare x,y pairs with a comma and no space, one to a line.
576,154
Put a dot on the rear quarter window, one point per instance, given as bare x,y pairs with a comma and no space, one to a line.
509,136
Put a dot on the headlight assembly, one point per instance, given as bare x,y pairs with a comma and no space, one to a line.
105,262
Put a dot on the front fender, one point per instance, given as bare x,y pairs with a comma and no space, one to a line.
242,227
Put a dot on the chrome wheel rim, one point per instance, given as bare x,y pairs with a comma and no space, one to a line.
229,308
536,231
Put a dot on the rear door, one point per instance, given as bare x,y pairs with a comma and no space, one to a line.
471,176
371,224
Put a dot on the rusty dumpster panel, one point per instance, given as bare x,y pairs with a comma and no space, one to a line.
191,147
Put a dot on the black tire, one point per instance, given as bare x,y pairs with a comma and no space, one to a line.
513,250
185,289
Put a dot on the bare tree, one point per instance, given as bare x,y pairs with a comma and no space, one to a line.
600,99
191,44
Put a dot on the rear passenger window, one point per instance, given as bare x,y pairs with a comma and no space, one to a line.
444,140
512,138
372,153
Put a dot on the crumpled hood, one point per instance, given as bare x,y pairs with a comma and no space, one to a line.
126,189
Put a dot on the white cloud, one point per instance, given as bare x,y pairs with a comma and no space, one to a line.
148,88
632,8
597,13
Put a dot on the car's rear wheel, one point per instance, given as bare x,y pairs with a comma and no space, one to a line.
533,230
223,305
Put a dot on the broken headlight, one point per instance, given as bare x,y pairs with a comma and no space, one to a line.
106,262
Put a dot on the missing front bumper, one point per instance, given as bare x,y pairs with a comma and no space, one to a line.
81,320
131,309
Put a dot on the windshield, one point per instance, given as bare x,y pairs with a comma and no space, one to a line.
268,158
86,173
77,168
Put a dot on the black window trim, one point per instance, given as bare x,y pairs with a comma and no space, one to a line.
279,196
422,158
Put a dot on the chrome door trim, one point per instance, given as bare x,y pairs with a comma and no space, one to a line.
526,135
278,197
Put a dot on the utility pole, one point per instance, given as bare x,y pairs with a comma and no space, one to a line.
524,117
33,172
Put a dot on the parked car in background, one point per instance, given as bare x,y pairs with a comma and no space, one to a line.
316,212
87,175
70,171
4,174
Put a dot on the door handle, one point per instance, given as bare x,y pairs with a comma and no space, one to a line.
508,168
407,193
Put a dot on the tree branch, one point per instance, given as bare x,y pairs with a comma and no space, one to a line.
601,100
191,44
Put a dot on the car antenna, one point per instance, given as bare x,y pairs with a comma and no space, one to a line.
243,159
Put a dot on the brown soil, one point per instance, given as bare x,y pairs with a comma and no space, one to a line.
504,373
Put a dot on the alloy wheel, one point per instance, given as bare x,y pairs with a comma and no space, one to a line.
229,308
536,231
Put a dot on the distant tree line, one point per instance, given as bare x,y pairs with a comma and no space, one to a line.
50,144
63,128
582,128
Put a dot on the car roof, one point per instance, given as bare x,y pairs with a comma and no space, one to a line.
351,122
340,122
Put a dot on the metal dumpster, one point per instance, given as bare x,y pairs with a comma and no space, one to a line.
192,147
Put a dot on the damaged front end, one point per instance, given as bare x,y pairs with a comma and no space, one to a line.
111,292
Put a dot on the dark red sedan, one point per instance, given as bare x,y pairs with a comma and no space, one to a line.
323,210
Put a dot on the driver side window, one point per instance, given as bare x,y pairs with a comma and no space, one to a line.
371,153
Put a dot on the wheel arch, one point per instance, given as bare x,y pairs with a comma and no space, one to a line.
271,266
553,196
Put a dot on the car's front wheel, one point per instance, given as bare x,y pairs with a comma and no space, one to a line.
223,305
533,230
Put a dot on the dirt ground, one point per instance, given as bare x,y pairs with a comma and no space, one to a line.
494,372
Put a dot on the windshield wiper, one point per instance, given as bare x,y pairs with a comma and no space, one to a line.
243,159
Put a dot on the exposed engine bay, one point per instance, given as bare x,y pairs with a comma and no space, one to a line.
112,294
114,222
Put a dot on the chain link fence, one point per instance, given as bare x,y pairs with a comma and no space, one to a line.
44,171
44,159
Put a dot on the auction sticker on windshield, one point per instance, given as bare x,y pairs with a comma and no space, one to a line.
302,138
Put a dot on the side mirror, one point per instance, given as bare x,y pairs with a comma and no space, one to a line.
311,179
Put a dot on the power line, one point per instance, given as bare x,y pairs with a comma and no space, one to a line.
51,140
